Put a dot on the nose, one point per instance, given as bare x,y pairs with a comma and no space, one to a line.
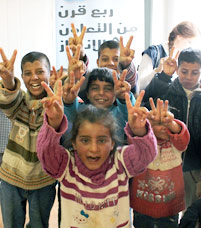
101,91
93,146
34,76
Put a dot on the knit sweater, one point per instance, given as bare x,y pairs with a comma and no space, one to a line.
159,191
20,166
94,198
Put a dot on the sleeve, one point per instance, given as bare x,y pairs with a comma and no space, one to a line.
10,100
157,88
53,157
145,72
140,152
181,140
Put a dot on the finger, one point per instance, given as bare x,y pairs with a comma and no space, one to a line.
54,71
47,89
121,45
68,54
59,91
71,79
129,42
74,30
128,101
12,60
82,34
172,52
4,58
166,105
139,98
152,105
132,53
123,75
60,73
77,53
115,78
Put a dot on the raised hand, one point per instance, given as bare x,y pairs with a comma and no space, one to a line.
170,63
137,115
7,70
56,75
76,40
53,104
155,113
71,88
120,85
126,54
74,64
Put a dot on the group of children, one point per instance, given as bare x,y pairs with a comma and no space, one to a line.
107,151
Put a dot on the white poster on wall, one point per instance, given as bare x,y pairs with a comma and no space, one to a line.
105,20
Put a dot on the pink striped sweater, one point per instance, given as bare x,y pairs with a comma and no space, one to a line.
94,198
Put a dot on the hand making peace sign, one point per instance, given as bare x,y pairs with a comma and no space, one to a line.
120,85
76,40
7,70
126,54
137,115
74,64
71,88
53,104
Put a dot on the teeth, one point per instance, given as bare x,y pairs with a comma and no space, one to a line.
35,85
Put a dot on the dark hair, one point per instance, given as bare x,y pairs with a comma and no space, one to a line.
102,74
190,55
34,56
93,114
185,29
111,44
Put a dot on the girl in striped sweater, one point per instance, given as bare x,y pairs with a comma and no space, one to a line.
94,176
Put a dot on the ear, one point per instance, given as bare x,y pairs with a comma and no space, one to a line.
97,61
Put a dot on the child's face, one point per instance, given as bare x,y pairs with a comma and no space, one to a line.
93,144
101,94
160,132
33,74
109,58
189,75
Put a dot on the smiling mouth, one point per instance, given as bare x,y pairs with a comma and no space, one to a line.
35,85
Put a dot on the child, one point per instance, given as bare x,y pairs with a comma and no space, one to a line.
103,90
23,178
184,95
157,195
94,177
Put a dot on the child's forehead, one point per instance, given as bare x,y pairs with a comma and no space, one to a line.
40,63
100,82
109,51
190,66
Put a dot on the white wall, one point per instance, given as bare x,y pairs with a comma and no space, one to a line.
168,13
27,25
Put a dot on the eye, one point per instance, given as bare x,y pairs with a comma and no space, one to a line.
27,73
102,141
108,89
195,73
39,72
184,72
116,59
94,88
104,59
84,140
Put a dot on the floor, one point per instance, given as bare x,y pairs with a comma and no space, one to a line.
53,216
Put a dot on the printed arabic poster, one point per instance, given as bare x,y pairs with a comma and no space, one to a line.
105,20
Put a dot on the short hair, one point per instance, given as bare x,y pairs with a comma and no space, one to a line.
93,114
185,29
101,74
190,55
111,44
35,56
